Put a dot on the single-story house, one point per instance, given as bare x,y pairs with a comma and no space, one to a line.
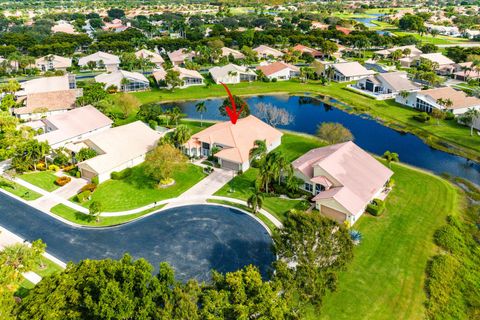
72,126
280,70
125,81
237,55
47,84
266,52
386,85
445,64
180,56
343,178
385,53
349,71
232,73
53,62
102,60
116,25
189,77
117,149
464,71
304,49
63,26
427,100
44,104
233,141
151,56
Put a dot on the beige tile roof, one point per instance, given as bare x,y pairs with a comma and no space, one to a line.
74,123
266,50
180,55
459,98
275,67
120,145
352,69
360,175
184,73
107,58
44,84
52,101
235,53
115,78
57,61
238,138
438,58
149,55
397,81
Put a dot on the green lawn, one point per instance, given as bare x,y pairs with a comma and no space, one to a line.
85,220
138,190
241,187
264,219
390,112
430,39
18,190
41,179
386,278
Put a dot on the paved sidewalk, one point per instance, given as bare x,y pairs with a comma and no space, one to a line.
48,198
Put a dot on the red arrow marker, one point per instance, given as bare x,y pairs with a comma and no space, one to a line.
232,112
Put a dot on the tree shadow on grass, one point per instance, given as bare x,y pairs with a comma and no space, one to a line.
79,216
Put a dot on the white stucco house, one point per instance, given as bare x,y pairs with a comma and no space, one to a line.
349,71
53,62
232,73
280,71
72,126
189,77
427,100
125,81
102,60
117,149
385,85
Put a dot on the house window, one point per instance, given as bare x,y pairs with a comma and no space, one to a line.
308,187
319,188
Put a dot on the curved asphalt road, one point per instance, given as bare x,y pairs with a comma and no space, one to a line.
193,239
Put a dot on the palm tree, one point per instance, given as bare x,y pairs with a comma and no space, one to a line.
259,150
176,114
255,201
390,157
201,108
469,117
329,73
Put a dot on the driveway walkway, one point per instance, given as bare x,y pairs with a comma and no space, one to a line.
205,188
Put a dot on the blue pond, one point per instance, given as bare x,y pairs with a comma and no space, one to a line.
369,134
368,21
193,239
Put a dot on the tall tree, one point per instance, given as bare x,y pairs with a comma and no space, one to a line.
311,249
162,161
333,133
201,108
390,157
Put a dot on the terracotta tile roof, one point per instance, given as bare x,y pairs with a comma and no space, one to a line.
238,139
304,49
275,67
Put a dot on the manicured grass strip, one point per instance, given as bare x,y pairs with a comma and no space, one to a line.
41,179
390,112
386,277
260,216
138,189
86,220
18,190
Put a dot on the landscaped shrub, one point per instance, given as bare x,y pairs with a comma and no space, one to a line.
78,174
53,167
356,236
115,175
422,117
41,166
450,238
83,196
449,115
95,180
89,186
61,181
61,159
376,207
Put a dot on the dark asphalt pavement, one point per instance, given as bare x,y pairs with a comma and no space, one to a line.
193,239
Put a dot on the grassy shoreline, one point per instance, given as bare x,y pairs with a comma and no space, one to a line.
449,136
